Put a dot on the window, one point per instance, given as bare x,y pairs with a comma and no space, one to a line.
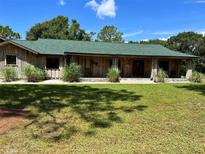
10,60
118,63
52,63
164,65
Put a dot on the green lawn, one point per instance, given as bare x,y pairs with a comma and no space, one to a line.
166,118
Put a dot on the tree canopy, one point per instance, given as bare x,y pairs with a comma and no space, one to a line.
110,34
7,33
76,33
186,42
191,43
58,28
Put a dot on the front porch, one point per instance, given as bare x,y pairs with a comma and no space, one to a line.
130,67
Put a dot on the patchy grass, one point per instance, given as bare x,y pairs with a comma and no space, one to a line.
106,118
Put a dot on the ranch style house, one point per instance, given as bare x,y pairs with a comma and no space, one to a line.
95,58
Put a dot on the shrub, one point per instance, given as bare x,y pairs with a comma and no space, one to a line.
161,75
8,73
71,73
113,74
196,77
34,74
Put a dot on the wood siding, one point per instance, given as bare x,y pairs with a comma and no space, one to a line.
95,66
24,57
91,66
54,73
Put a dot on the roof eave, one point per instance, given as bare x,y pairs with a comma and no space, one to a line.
2,38
23,47
50,54
120,55
3,43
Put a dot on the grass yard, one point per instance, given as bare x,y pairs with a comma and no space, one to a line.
166,118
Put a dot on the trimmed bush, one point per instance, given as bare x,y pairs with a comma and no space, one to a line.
161,76
71,73
8,73
34,74
196,77
113,74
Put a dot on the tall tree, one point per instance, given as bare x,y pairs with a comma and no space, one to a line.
200,62
7,33
187,42
76,33
58,28
110,34
191,43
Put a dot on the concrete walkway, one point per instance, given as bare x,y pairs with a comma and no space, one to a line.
94,81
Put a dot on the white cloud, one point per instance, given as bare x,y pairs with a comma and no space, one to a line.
133,33
61,2
164,39
145,40
199,2
201,32
93,4
162,33
106,8
195,2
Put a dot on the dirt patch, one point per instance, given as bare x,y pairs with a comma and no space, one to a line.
10,119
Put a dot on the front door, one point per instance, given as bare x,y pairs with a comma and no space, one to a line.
138,68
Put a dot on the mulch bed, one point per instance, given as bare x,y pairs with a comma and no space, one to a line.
10,119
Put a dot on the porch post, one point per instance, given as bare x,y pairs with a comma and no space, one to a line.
154,68
64,61
189,69
72,59
115,62
178,68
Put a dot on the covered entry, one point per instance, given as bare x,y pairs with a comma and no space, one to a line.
138,68
164,65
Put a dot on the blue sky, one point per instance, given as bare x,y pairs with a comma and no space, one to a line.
137,19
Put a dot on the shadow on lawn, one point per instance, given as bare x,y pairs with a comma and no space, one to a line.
194,87
95,106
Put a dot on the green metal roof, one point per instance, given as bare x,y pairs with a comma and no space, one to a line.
60,47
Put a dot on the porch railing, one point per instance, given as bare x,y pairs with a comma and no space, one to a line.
53,73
